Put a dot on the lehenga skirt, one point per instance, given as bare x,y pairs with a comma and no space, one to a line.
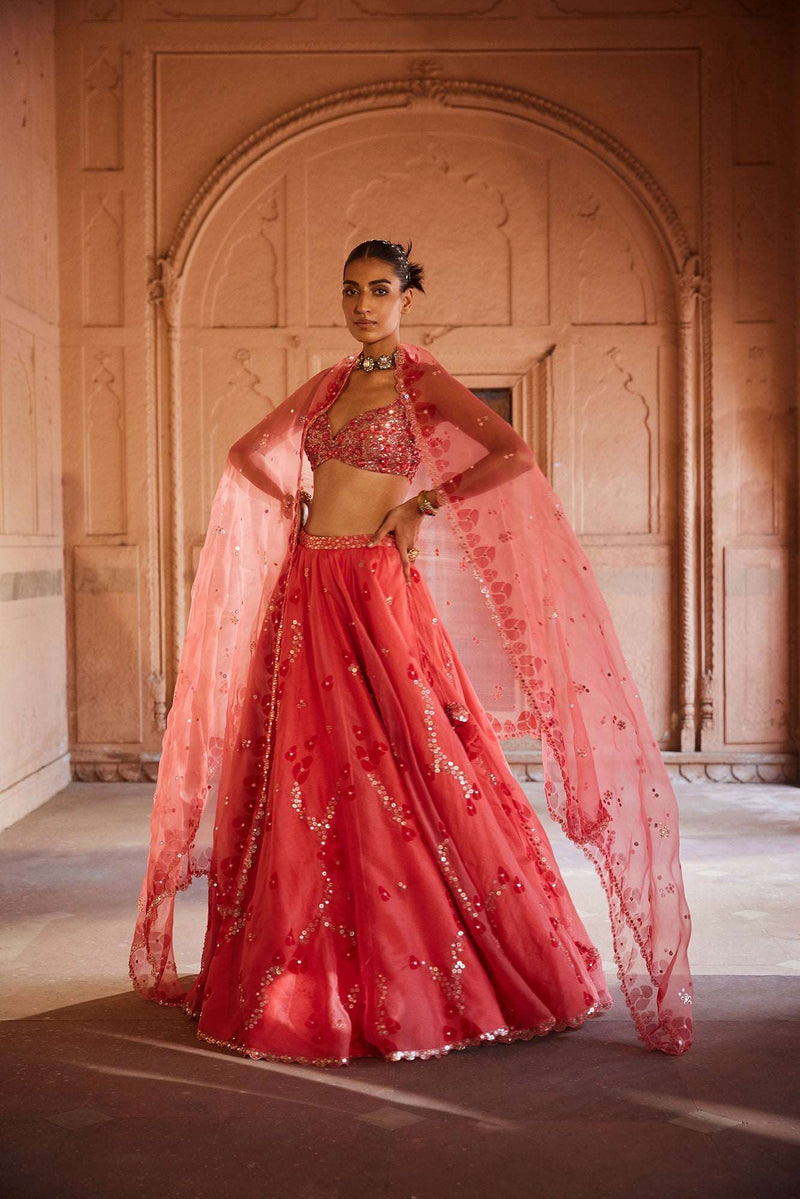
380,885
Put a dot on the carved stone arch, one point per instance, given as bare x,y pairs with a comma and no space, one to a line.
239,168
429,92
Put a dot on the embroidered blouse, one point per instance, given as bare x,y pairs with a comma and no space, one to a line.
379,439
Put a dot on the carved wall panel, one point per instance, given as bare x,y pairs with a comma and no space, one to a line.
617,451
638,584
233,399
755,243
102,108
246,288
103,258
102,10
28,183
763,445
608,275
622,8
227,387
104,442
470,9
18,427
227,10
757,688
463,201
107,629
605,269
48,440
755,104
472,215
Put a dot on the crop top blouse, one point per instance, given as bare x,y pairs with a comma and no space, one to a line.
379,439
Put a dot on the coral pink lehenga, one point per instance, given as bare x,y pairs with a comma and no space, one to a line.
378,882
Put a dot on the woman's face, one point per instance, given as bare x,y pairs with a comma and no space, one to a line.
372,301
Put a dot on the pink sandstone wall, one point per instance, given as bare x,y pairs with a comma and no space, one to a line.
602,193
33,727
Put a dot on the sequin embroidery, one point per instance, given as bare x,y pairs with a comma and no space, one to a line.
343,541
379,439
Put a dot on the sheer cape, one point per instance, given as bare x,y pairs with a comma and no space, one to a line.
519,597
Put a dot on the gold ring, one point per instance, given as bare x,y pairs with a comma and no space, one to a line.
412,552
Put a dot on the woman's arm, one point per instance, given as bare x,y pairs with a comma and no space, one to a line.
508,454
242,458
250,455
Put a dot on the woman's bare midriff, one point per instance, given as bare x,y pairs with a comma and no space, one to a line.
350,500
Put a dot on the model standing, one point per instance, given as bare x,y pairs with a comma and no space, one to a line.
378,882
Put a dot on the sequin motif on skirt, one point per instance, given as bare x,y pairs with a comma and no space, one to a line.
380,886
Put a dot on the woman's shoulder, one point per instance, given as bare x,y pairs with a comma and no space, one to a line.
422,359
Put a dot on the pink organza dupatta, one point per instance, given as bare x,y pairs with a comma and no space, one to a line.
526,593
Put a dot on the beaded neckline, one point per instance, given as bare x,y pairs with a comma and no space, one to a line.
379,439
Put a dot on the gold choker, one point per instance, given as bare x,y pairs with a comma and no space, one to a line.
384,362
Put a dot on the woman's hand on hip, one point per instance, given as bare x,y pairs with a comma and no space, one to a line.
404,522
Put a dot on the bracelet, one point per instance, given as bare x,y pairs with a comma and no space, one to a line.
425,506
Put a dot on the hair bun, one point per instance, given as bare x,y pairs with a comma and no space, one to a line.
394,252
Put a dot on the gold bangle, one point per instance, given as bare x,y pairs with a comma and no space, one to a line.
425,506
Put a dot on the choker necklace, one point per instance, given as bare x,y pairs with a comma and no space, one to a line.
383,362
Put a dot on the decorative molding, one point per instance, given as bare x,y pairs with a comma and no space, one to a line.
228,10
425,86
720,767
692,287
102,108
113,768
104,445
452,10
102,10
158,694
710,681
165,287
624,8
103,259
525,764
155,506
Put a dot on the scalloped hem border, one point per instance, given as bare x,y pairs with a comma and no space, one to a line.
504,1035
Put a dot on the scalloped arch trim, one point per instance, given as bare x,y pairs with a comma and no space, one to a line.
432,93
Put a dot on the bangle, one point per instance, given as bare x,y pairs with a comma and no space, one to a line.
425,506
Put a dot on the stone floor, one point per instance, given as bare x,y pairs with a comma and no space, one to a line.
106,1095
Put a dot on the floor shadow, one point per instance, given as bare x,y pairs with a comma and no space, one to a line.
125,1089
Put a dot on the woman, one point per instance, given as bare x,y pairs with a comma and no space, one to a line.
378,883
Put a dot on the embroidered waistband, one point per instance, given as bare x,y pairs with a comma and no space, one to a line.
313,541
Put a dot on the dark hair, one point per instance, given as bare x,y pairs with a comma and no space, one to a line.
409,273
